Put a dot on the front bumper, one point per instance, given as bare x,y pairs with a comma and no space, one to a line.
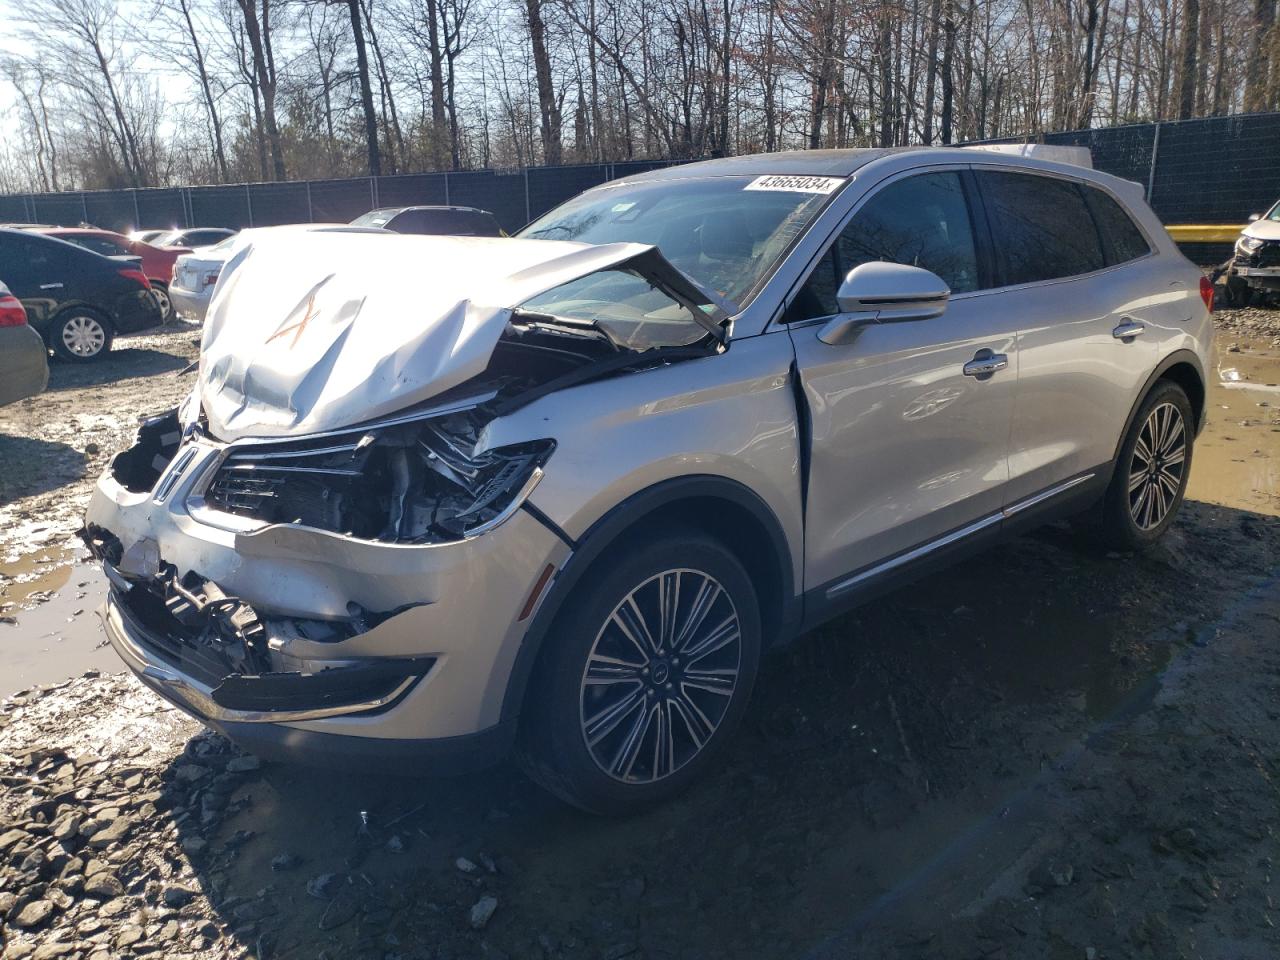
428,677
190,304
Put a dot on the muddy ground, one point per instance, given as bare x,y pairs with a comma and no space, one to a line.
1047,752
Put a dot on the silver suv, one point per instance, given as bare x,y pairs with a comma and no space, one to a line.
434,498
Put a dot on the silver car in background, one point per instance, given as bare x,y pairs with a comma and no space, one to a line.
434,498
194,276
24,358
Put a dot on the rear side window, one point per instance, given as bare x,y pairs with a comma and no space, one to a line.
1040,226
1122,241
922,221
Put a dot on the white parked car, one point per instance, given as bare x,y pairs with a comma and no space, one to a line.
195,274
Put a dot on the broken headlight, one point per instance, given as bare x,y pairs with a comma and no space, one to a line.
1248,244
419,482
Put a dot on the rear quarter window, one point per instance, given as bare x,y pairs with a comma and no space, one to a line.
1041,227
1122,241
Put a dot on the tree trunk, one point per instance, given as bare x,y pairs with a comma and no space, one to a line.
1187,61
548,106
366,89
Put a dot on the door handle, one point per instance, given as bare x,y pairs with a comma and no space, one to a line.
50,286
1128,329
985,363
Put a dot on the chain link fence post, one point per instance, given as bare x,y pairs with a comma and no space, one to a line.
1155,154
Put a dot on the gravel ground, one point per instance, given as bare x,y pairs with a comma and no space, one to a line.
53,446
1046,752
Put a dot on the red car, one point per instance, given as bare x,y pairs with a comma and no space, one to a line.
157,262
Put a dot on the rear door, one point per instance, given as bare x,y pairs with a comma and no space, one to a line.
907,450
32,268
1072,297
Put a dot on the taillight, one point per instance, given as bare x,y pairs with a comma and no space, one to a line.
211,278
1206,293
12,313
138,275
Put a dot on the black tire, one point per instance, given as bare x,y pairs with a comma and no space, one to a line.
81,335
161,293
1235,292
564,705
1131,518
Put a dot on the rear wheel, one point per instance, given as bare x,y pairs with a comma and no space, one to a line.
81,335
1151,472
161,294
653,662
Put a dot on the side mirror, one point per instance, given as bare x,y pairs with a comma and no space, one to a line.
881,292
1254,216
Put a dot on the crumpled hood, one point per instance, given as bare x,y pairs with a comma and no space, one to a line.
315,331
1263,229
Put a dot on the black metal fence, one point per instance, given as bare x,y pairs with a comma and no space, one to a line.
1213,170
514,196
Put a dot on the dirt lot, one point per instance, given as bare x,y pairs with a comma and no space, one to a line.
1044,753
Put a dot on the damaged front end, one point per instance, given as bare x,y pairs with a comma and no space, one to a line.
228,661
277,557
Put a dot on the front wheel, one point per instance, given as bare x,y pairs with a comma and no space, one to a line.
650,667
1151,472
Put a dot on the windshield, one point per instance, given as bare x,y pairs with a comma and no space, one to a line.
724,232
1273,213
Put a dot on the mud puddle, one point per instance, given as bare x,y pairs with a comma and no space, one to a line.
49,628
1237,457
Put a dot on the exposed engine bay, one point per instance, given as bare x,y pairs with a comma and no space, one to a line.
417,477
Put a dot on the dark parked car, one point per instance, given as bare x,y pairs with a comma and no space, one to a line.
156,262
76,299
192,237
451,221
24,361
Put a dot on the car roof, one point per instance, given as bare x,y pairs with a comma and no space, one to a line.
829,163
45,237
429,206
73,231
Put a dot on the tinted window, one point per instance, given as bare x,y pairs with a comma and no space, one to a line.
922,221
200,238
1041,227
1121,239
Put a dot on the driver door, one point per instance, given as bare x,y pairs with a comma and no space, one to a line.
908,452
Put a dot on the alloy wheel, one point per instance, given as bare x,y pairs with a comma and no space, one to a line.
83,336
1156,471
660,676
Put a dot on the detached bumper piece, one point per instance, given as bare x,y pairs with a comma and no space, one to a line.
211,654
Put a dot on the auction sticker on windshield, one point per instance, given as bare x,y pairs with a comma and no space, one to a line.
793,184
